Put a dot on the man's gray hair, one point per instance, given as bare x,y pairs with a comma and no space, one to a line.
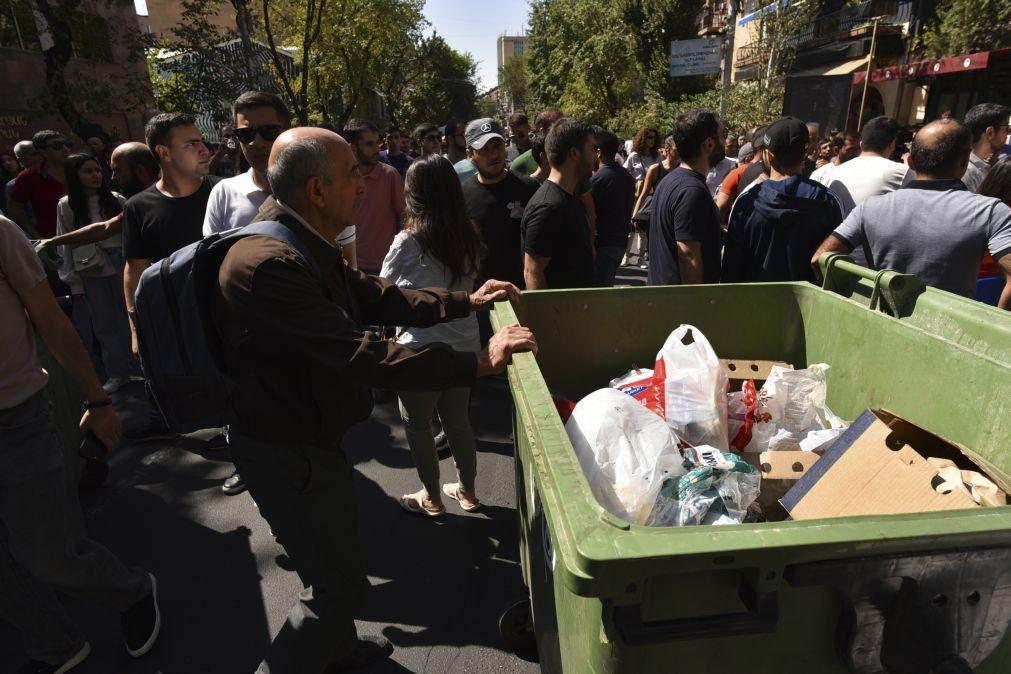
297,163
22,148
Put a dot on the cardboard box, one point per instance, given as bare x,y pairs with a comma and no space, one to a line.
877,467
780,472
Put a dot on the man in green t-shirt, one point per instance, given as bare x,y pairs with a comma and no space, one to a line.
526,164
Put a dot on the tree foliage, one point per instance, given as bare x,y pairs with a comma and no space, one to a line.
514,81
966,26
778,24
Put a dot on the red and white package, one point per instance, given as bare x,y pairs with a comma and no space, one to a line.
635,383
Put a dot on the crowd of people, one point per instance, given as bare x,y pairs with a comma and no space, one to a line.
405,241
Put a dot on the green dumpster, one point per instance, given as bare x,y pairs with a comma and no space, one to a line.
909,593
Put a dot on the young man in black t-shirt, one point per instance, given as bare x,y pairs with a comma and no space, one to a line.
557,243
684,229
613,190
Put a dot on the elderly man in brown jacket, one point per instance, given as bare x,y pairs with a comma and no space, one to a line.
304,368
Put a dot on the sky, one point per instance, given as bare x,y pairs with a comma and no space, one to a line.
467,26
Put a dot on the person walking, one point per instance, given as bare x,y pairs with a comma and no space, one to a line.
934,227
684,228
557,243
291,410
95,265
777,226
43,545
644,152
439,247
613,191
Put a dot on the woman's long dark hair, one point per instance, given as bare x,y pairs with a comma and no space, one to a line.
998,181
108,204
437,217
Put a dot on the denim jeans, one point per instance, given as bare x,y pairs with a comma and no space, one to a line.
43,547
104,297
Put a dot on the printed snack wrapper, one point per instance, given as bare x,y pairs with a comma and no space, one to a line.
635,382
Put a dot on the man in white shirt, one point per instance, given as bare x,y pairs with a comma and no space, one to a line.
845,146
872,173
989,125
260,117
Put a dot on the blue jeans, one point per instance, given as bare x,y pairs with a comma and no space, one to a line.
605,267
104,296
43,547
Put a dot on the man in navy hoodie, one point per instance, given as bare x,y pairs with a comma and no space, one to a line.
777,225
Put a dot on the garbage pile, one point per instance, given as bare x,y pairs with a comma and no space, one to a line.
672,446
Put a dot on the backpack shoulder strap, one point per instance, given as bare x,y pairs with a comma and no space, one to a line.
278,230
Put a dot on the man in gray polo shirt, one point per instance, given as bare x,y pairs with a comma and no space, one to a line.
934,227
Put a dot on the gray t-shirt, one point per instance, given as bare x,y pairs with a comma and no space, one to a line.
935,229
21,375
975,172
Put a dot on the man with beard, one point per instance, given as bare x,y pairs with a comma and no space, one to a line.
383,204
134,168
558,250
259,118
684,230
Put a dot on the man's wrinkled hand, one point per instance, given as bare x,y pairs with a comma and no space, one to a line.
507,341
493,291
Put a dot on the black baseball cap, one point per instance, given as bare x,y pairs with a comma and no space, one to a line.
758,138
480,131
786,133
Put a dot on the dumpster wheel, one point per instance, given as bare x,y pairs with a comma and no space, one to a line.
516,625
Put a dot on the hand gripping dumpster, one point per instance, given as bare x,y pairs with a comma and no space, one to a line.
922,591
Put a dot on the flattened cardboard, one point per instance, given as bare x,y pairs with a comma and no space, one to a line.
742,368
870,470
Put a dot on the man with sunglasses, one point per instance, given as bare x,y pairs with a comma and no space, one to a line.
42,186
260,117
429,139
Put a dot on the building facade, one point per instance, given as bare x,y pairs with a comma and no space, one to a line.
106,76
164,15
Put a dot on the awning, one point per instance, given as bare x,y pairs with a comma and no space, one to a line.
954,64
829,69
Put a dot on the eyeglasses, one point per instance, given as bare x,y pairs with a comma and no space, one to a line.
433,137
268,132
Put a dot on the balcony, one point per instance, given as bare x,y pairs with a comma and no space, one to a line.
713,19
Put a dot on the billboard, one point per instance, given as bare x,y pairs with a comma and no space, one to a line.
695,57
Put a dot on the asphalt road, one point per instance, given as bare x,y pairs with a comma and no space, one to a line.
225,585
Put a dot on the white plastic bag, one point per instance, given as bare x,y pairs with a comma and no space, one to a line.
792,413
689,389
625,450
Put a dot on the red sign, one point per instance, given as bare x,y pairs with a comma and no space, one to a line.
945,66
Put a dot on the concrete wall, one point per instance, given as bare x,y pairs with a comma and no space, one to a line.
164,15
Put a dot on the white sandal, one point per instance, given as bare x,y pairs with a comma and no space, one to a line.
453,492
415,503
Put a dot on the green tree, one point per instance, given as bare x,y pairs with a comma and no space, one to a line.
657,23
446,88
513,81
966,26
777,26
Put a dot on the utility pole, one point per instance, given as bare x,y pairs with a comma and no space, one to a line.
867,78
728,54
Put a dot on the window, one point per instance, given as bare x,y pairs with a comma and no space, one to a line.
17,26
517,49
89,35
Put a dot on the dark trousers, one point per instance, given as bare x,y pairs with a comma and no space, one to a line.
305,494
43,547
605,267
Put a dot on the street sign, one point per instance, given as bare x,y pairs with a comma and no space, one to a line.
695,57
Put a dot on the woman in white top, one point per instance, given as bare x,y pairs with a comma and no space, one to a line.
93,261
438,247
644,153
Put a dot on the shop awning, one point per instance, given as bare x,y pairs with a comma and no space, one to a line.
945,66
829,69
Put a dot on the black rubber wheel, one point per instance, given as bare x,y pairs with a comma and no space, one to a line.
516,625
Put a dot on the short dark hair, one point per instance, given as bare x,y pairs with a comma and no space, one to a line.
158,129
424,129
518,119
536,147
454,125
353,129
943,158
547,117
565,134
607,143
261,99
41,139
878,133
985,115
692,129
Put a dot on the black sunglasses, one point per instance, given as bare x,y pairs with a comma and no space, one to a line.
268,132
432,137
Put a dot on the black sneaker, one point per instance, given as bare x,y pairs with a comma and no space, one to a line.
366,651
37,667
233,484
142,622
154,429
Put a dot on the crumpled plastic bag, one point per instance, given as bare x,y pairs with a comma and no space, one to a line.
689,389
625,450
718,489
789,413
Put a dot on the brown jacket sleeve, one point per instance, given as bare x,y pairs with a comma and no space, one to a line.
382,302
284,301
